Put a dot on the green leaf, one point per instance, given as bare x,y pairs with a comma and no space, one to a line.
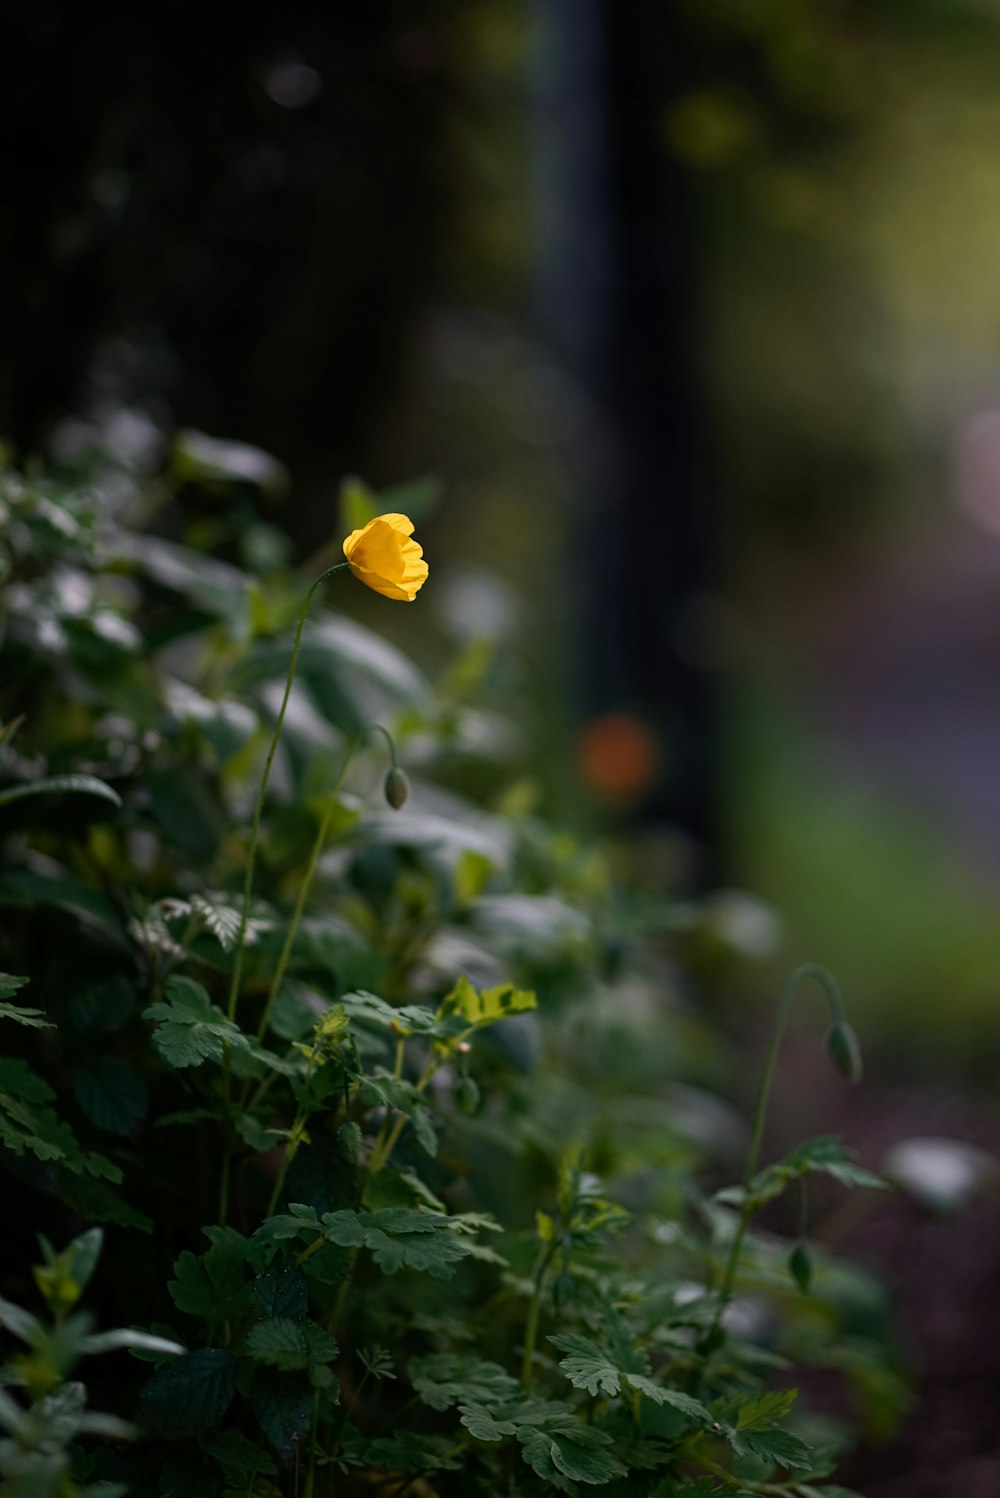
280,1292
238,1456
216,1285
61,785
409,1452
477,1008
112,1094
568,1447
406,1019
600,1371
289,1345
190,1029
189,1395
401,1237
95,1202
222,920
155,1348
759,1413
33,1018
18,1321
826,1155
300,1221
283,1405
198,458
27,1124
779,1447
444,1379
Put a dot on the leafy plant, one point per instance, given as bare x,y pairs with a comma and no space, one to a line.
371,1081
42,1454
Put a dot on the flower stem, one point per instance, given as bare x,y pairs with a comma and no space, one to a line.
300,903
237,974
807,970
234,986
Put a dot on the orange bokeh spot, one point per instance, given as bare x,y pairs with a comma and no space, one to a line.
618,756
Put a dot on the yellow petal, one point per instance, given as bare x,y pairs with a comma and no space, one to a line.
384,558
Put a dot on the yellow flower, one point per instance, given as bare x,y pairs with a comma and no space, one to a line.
382,555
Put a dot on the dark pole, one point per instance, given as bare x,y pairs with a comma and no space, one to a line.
618,297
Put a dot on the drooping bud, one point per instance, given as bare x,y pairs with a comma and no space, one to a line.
396,787
800,1266
845,1051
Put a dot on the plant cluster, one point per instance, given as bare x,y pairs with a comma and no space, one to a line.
402,1141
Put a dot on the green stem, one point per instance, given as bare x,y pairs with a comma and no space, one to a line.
534,1313
807,970
382,1151
314,1436
377,728
300,903
234,986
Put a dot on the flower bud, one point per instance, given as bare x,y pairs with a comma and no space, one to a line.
845,1051
396,787
800,1266
349,1139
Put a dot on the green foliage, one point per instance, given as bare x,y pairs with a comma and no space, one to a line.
40,1455
190,1028
399,1091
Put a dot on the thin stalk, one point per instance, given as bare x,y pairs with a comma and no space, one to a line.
314,1434
237,973
383,1151
534,1313
300,903
234,986
807,970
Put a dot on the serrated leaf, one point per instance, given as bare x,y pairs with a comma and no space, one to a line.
568,1447
222,920
484,1424
32,1018
473,1009
189,1395
289,1345
410,1452
405,1019
190,1029
284,1408
112,1094
94,1201
826,1155
778,1447
280,1292
444,1379
764,1410
216,1285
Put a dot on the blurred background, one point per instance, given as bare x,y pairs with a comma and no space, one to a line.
682,323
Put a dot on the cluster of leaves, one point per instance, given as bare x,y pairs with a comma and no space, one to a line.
379,1092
